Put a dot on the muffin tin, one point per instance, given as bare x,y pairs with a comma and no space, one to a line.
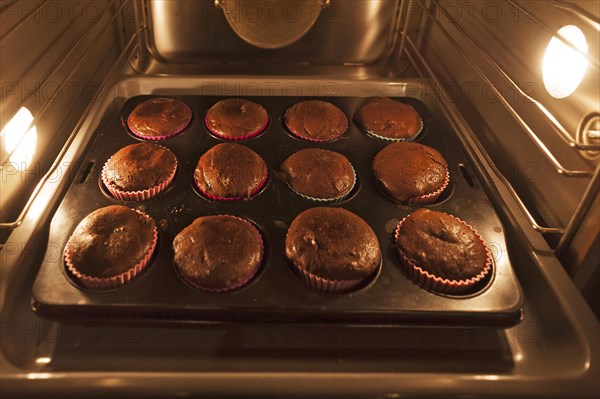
276,294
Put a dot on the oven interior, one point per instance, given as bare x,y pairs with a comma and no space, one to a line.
478,68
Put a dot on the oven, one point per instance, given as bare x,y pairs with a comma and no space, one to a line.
508,91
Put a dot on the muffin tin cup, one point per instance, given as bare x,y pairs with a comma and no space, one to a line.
140,195
162,136
314,140
330,200
244,282
438,284
236,138
430,198
327,285
395,139
100,283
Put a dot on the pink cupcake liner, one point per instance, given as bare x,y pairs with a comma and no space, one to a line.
396,139
327,285
438,284
246,281
238,138
100,283
313,140
430,198
164,136
140,195
336,199
252,193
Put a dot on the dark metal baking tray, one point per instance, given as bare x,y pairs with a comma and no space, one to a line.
277,294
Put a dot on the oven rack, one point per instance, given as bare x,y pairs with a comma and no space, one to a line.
112,17
430,10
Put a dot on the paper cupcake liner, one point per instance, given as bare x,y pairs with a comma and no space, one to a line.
396,139
246,281
160,137
106,283
236,138
314,140
140,195
327,285
336,199
438,284
430,198
252,193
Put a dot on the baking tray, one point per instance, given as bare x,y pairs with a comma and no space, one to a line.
276,294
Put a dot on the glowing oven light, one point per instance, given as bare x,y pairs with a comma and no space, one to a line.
19,140
563,66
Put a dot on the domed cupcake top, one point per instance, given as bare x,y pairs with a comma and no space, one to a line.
315,120
236,119
319,173
140,166
389,119
441,245
408,170
218,252
159,118
111,241
332,243
230,171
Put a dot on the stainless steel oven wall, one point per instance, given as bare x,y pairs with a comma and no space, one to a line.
348,31
55,55
488,57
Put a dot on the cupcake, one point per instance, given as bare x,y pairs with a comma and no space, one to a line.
318,174
332,249
441,252
389,120
139,171
315,120
230,171
218,253
236,119
411,173
110,247
159,118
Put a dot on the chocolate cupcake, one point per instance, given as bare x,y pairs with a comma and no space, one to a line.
110,247
389,120
236,119
411,173
139,171
218,253
441,252
230,171
315,120
159,118
332,249
318,174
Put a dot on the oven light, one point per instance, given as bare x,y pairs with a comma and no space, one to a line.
563,66
43,361
19,140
